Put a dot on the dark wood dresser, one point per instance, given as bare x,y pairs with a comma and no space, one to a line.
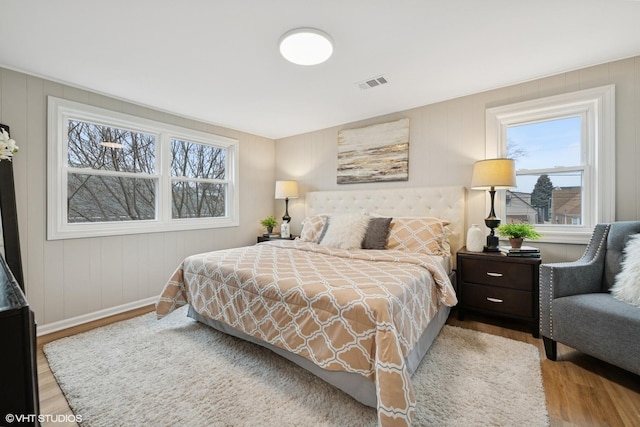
497,285
19,380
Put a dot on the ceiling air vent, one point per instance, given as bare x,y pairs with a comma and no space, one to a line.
372,82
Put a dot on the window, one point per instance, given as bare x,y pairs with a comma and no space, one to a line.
198,185
564,150
111,173
550,169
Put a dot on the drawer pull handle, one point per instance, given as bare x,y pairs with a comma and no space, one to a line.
494,274
494,300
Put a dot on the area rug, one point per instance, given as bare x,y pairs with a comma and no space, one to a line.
176,371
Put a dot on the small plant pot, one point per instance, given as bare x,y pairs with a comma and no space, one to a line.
516,243
269,230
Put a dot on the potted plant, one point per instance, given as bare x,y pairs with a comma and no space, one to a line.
517,233
269,222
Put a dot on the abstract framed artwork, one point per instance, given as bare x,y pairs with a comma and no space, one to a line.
375,153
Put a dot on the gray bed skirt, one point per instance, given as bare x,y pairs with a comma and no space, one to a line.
357,386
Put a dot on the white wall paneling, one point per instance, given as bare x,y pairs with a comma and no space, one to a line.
74,278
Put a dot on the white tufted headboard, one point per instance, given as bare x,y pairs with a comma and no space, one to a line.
440,202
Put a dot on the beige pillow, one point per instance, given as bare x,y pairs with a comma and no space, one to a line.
420,235
312,228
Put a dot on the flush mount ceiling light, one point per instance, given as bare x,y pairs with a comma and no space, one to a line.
306,46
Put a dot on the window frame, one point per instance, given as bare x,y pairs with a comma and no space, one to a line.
596,106
58,227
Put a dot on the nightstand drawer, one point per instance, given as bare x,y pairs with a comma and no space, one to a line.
498,300
497,273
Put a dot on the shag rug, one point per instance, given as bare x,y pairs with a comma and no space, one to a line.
178,372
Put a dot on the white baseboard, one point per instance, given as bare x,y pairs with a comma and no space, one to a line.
96,315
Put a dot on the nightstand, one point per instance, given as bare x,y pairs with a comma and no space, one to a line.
275,237
497,285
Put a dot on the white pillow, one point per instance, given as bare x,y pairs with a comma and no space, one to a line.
627,283
345,231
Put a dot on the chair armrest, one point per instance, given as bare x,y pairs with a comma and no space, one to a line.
579,277
565,279
572,278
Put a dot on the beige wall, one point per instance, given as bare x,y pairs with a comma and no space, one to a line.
69,278
76,277
448,137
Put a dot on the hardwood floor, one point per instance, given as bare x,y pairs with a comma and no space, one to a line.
580,390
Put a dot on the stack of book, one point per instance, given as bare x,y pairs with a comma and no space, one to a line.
524,251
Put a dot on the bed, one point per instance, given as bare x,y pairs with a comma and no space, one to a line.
360,319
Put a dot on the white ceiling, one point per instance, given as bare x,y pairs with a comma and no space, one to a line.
218,60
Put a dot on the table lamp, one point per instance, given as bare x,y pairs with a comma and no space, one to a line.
492,175
286,190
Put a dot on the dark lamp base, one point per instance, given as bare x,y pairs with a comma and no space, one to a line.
492,244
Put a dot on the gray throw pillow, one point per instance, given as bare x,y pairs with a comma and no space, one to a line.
377,234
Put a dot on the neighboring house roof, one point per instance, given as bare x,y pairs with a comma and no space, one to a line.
567,201
521,196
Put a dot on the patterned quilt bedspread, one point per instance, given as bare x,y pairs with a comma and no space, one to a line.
357,311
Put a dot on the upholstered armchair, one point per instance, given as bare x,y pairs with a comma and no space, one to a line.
577,309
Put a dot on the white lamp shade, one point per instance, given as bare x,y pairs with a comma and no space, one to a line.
494,174
286,190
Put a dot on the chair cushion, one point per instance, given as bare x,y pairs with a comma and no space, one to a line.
599,325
